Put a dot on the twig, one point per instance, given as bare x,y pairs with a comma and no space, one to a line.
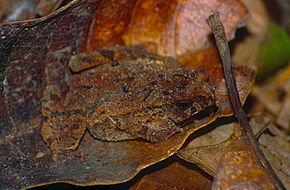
222,45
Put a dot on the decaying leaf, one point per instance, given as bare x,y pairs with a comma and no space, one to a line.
29,52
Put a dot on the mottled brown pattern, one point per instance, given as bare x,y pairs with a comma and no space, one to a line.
148,97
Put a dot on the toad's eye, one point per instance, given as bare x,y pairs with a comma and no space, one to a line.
183,104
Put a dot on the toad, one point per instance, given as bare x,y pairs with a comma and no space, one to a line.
118,94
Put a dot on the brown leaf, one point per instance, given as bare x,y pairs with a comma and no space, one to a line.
30,51
44,7
111,19
277,150
247,52
214,157
176,175
239,168
206,150
164,27
259,21
274,94
172,28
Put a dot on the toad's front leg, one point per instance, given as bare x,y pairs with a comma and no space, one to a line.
62,127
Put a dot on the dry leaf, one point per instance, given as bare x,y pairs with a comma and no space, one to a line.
277,150
44,7
174,176
247,52
173,28
239,168
206,152
258,22
274,96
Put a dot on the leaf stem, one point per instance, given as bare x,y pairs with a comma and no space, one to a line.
218,30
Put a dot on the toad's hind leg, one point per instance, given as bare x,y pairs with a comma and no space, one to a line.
151,129
62,128
108,131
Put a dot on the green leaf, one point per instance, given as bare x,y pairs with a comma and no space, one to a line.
275,54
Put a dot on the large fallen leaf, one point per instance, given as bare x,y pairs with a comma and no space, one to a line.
169,27
28,50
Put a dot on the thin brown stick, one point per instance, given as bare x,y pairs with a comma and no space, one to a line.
222,45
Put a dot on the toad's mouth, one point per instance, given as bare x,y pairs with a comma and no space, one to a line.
178,113
188,111
160,122
181,113
198,117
